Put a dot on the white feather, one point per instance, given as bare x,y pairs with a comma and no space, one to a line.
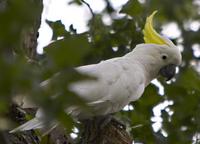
32,124
119,81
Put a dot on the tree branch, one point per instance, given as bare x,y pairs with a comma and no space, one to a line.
112,133
87,4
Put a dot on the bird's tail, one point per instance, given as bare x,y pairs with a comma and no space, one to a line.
35,123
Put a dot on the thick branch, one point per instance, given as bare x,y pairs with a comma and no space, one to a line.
112,133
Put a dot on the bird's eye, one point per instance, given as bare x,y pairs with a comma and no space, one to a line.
164,57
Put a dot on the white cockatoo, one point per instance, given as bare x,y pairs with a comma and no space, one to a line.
120,80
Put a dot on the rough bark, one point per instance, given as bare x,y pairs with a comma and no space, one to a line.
112,133
29,35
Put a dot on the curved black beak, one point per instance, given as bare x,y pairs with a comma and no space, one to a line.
168,71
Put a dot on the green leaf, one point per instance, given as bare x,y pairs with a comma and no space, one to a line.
132,8
68,52
58,29
189,79
16,17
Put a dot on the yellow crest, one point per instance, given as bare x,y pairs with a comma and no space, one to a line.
150,35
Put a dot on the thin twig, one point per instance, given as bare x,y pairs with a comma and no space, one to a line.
83,1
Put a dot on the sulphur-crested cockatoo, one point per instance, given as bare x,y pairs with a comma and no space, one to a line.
120,80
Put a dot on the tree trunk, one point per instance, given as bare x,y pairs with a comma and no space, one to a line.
28,44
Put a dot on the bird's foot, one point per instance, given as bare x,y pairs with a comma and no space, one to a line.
95,128
103,121
118,123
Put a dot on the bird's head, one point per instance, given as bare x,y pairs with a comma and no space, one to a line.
165,54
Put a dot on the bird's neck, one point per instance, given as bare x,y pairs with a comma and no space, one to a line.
147,63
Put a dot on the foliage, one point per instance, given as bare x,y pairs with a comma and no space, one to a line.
18,76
